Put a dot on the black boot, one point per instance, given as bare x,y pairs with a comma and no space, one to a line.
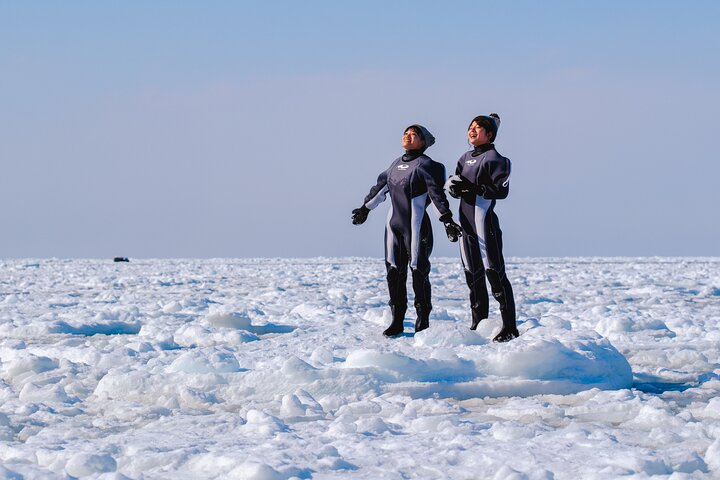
478,296
423,317
509,329
506,334
396,280
396,327
477,317
421,287
502,291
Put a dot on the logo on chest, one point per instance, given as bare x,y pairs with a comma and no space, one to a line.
472,161
403,166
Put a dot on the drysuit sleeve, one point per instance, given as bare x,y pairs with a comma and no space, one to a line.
434,174
495,178
458,168
378,193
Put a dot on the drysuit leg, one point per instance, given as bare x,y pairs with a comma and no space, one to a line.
499,283
502,291
396,260
475,278
421,277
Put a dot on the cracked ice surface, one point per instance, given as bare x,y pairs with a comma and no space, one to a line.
276,368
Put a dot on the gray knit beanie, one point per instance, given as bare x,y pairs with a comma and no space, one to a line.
424,135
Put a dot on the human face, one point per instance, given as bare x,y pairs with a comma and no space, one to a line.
411,140
477,135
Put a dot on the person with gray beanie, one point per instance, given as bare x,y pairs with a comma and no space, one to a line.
413,180
481,178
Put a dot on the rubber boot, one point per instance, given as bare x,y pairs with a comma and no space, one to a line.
502,291
398,300
507,311
423,317
478,297
396,327
506,334
478,315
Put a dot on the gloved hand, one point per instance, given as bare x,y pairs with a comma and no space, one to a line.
453,231
457,186
359,215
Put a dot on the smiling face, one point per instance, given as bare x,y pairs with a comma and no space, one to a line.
411,140
477,135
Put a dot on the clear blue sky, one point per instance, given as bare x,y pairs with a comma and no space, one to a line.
244,129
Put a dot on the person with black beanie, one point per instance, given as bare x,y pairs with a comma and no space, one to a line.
413,180
482,177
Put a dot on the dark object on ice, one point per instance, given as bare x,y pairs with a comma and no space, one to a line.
423,318
396,327
121,259
477,317
506,334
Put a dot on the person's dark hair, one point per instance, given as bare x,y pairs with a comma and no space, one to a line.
490,123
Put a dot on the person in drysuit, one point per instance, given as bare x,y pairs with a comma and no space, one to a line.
412,181
482,177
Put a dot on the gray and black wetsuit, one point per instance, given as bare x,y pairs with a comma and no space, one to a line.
412,181
481,243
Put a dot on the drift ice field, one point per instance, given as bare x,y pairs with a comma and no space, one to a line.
277,369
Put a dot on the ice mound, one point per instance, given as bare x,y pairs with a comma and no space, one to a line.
619,325
114,321
237,320
200,362
255,471
169,390
26,365
393,367
198,335
378,316
587,360
550,359
86,464
225,328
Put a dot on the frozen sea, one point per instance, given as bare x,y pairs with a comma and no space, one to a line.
277,369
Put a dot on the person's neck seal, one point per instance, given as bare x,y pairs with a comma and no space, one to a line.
480,149
411,155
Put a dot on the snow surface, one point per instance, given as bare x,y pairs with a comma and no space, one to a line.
277,369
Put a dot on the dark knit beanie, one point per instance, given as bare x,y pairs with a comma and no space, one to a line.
490,123
424,135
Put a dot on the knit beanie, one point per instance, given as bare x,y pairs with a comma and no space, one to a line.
424,135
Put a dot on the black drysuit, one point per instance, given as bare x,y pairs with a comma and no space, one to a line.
412,181
481,243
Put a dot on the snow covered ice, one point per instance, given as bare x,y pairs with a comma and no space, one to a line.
277,369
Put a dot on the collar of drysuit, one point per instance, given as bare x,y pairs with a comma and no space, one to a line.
411,155
480,149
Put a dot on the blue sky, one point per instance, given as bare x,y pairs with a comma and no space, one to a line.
244,129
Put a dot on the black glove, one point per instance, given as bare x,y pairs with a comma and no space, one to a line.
458,186
359,215
453,231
